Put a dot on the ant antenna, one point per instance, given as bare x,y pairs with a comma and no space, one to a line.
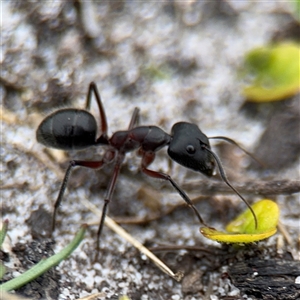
223,175
224,138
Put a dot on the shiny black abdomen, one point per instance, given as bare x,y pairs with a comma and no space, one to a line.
68,129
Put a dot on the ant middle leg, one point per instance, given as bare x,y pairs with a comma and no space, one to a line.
112,183
111,186
147,159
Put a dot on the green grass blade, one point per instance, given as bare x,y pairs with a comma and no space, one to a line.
45,264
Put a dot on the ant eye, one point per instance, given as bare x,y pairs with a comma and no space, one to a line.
190,149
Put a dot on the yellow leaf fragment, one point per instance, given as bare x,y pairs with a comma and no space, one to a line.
242,229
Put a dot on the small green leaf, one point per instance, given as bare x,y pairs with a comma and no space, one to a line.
273,72
242,229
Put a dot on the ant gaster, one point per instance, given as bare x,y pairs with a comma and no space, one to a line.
76,129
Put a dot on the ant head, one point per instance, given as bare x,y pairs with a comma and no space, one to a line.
188,148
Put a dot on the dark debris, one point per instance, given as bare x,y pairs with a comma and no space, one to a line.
40,223
45,286
271,279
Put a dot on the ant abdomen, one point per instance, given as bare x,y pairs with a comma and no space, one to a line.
68,129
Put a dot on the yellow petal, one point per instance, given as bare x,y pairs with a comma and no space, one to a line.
224,237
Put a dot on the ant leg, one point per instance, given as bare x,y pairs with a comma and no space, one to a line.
134,118
147,159
93,88
107,198
73,163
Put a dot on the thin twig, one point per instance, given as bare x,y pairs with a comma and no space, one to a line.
162,248
120,231
274,187
93,296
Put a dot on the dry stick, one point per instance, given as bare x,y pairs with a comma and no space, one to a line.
273,187
120,231
94,296
163,248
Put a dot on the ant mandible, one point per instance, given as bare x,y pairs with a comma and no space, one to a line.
76,129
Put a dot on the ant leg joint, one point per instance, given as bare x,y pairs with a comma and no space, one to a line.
73,163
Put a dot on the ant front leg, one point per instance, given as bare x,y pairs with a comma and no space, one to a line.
73,163
147,159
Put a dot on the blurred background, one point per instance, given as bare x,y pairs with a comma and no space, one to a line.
231,67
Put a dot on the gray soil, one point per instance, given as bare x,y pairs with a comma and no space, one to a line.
176,61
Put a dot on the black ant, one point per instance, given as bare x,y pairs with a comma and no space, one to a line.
76,129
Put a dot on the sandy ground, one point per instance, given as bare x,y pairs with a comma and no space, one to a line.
176,61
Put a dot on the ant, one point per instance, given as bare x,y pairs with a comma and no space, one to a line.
76,129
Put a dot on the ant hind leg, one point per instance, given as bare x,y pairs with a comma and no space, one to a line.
73,163
103,119
134,118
